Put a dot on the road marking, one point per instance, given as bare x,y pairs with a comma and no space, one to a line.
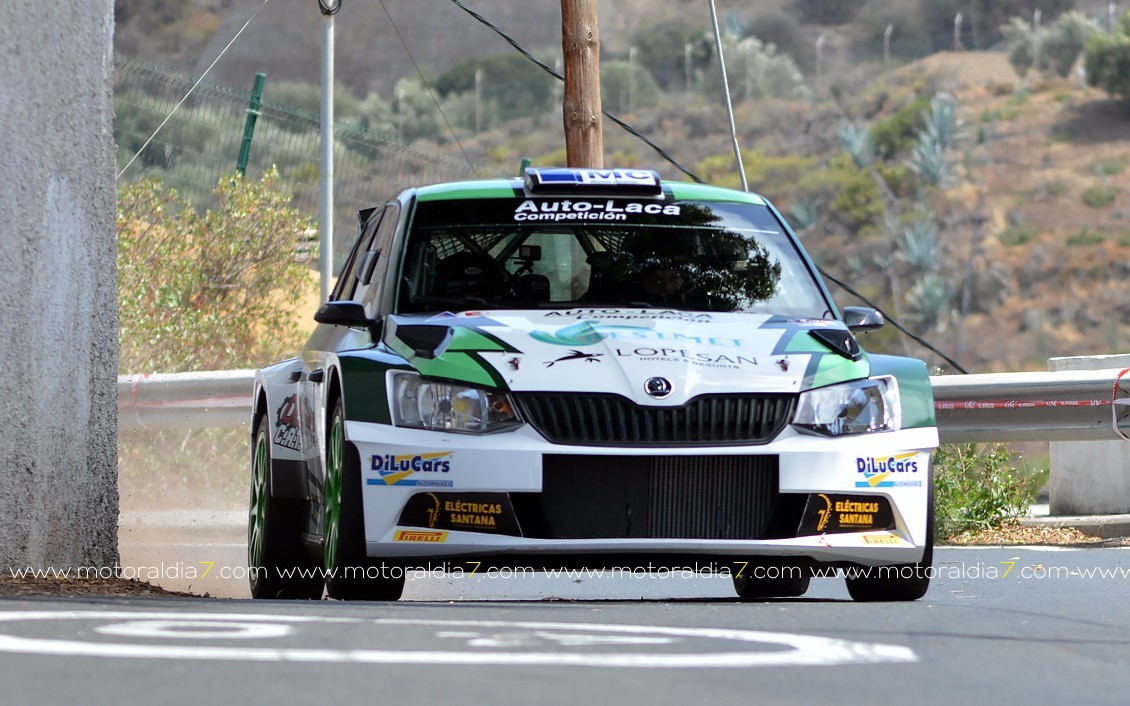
195,629
800,650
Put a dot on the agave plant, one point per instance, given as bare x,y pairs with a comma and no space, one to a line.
803,214
918,244
942,123
931,301
855,138
931,162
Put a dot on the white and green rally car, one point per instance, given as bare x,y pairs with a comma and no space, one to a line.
588,368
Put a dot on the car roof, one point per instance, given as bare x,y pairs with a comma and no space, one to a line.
511,188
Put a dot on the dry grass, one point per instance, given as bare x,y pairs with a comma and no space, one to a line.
1012,533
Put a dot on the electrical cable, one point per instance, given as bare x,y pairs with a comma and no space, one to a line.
429,88
190,90
663,153
554,73
918,339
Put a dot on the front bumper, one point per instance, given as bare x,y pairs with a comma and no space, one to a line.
398,464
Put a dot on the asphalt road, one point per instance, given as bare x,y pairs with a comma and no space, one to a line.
1039,635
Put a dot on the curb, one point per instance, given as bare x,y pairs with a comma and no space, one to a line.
1103,526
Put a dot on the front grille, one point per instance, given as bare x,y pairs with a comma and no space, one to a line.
658,497
613,420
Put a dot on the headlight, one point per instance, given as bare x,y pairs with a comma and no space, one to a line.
857,407
444,406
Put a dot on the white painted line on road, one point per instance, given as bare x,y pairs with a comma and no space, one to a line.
196,629
1016,547
804,650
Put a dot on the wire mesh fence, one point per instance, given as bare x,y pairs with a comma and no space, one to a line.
201,142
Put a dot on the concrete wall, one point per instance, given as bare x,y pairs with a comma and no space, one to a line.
1089,477
58,330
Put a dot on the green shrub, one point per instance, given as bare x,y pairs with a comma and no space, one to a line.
213,291
979,486
783,31
1086,236
515,84
1098,197
661,47
1107,60
852,197
620,81
896,133
1017,235
1109,167
1064,133
1066,41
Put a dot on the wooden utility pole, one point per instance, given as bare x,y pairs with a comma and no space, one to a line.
581,111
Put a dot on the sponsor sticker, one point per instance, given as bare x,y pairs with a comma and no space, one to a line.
884,538
602,314
575,355
699,359
894,471
829,514
419,536
419,470
586,210
286,424
469,512
589,333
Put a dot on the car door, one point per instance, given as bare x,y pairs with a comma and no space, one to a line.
316,356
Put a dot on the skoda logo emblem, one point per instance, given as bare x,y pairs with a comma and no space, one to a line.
657,387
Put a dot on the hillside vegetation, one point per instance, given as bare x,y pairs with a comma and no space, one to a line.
983,208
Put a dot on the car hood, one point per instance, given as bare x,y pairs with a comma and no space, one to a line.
619,350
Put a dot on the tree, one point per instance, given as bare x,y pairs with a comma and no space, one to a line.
212,291
661,47
984,19
1059,44
514,83
1067,40
620,83
1020,40
1107,60
756,70
784,32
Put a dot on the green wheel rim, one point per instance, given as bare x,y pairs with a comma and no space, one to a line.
334,449
257,508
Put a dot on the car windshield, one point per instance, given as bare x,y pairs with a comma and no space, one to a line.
608,252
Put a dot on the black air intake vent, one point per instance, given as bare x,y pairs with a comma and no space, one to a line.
658,497
613,420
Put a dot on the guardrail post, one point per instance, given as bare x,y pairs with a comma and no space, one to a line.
1089,477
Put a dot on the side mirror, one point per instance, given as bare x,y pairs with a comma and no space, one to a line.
343,313
861,319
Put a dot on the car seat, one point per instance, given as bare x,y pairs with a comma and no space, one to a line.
470,274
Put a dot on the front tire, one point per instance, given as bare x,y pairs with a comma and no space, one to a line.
350,574
278,565
900,582
791,582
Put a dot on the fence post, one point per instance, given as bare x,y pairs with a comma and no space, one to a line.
249,125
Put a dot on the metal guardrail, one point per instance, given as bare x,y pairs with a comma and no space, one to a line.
1058,406
1070,405
220,399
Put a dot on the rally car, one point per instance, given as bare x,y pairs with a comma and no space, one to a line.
588,368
